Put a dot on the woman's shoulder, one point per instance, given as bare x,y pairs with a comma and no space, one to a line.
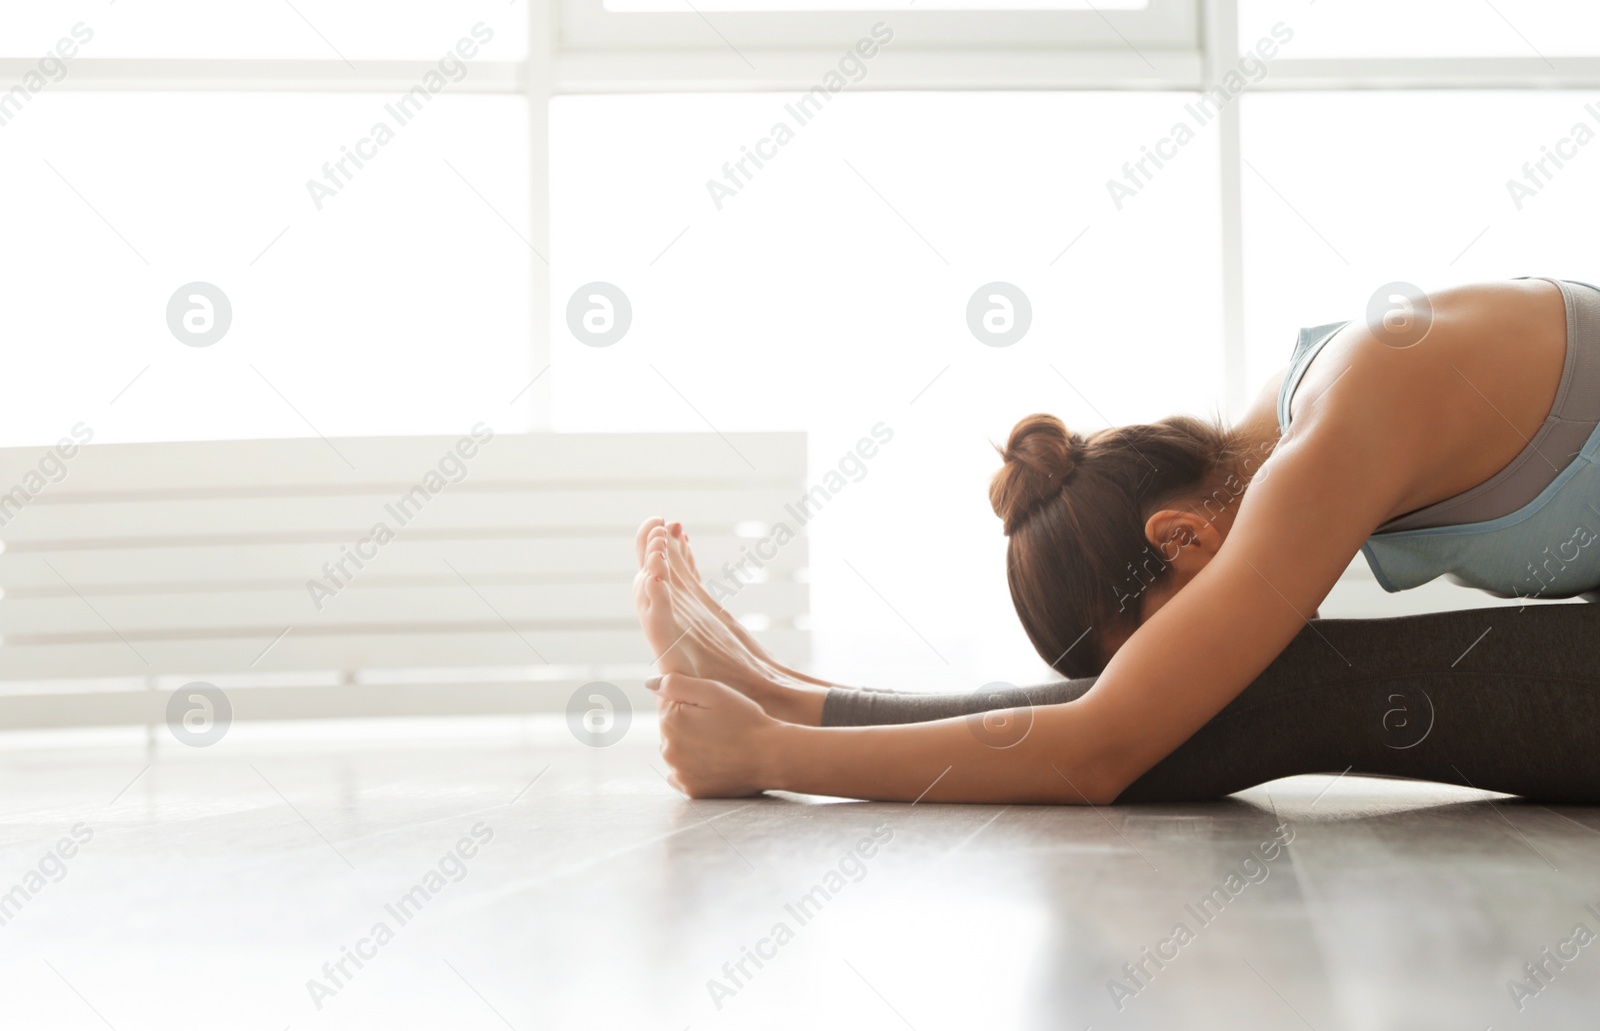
1403,348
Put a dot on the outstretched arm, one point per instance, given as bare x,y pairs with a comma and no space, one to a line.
1431,697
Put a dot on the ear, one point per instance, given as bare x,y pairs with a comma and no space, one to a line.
1183,537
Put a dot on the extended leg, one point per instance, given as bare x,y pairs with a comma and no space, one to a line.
1497,698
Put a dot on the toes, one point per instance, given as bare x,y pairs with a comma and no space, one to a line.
674,549
655,562
643,536
684,568
657,596
683,576
688,557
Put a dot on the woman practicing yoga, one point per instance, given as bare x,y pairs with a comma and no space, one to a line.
1174,570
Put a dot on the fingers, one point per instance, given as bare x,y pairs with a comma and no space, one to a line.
686,690
664,705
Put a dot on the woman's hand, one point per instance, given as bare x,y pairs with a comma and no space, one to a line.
716,741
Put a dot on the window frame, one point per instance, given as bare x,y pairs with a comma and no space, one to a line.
588,25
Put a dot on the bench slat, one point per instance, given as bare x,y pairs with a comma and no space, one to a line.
347,519
361,605
532,559
403,647
268,466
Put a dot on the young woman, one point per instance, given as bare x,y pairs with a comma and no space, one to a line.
1178,560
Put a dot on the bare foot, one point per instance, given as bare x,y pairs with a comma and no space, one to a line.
687,639
689,604
681,558
686,578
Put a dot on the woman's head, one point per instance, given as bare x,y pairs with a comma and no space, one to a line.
1105,528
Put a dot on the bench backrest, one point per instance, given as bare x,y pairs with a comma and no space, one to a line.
264,559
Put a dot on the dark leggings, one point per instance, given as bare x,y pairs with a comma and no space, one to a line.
1413,696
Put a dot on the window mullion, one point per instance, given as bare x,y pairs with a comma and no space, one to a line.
538,84
1220,49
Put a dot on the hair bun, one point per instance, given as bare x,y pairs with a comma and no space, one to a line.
1041,456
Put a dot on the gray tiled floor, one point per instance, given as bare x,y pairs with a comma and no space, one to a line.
217,885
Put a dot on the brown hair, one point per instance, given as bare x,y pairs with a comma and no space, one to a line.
1075,510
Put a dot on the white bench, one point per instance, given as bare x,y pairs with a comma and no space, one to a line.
147,566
